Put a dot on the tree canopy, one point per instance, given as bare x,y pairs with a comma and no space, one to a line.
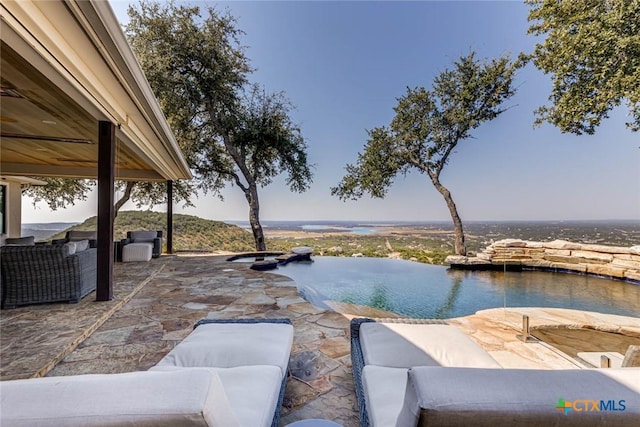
230,131
592,51
59,192
427,127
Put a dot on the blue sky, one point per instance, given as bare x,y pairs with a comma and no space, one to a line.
343,64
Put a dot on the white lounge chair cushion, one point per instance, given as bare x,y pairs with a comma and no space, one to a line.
390,399
401,345
178,398
524,397
252,391
228,345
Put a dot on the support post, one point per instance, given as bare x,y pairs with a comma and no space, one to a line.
169,217
525,336
106,177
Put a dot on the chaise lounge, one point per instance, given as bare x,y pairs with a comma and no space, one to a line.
383,351
225,373
411,372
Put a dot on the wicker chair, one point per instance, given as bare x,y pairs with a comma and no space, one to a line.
46,273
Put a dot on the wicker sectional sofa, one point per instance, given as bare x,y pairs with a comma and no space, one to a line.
46,273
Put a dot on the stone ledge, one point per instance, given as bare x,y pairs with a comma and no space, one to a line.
515,255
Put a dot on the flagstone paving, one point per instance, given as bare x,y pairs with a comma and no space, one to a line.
156,304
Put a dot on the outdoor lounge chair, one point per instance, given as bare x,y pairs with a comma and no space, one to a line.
383,351
252,362
527,397
139,246
229,373
453,382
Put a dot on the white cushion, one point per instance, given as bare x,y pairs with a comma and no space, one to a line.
401,345
228,345
179,398
252,391
81,245
71,247
137,252
390,399
526,397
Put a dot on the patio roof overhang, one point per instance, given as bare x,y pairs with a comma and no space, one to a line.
65,67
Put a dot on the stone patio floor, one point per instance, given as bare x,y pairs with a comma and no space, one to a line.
156,304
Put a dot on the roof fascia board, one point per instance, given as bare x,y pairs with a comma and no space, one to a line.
109,33
94,75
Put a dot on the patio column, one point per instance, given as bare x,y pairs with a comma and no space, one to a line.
106,177
169,217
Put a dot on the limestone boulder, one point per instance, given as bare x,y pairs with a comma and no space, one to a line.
606,249
632,275
581,268
606,270
510,243
634,265
562,244
463,260
539,263
593,256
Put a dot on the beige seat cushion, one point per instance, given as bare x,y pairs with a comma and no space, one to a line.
177,398
230,345
401,345
526,397
252,391
390,400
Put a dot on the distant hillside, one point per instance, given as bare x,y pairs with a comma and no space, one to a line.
190,233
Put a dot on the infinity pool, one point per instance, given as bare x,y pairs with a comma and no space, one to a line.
429,291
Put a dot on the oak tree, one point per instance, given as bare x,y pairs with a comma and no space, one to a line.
230,131
427,127
592,51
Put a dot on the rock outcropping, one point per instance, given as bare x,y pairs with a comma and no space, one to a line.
558,255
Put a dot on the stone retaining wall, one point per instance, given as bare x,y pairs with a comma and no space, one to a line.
558,255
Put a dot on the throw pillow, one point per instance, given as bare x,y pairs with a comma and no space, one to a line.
72,247
81,245
21,241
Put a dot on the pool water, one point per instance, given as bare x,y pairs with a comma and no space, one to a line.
428,291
